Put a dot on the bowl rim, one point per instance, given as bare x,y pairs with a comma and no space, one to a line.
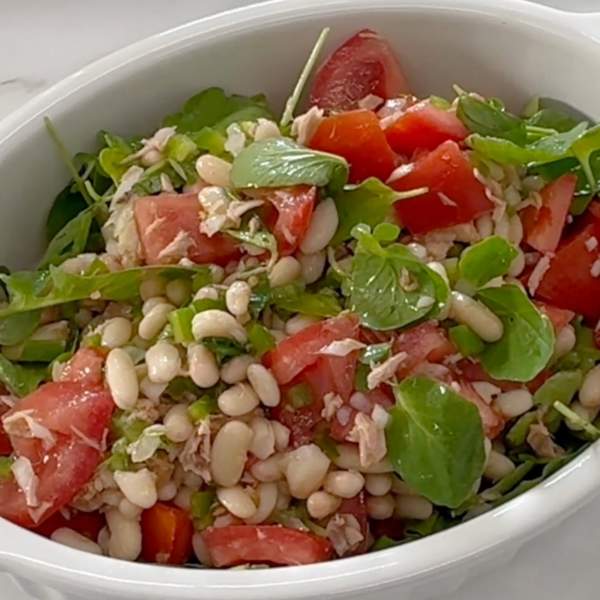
22,551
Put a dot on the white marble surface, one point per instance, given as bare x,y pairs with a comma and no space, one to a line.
41,41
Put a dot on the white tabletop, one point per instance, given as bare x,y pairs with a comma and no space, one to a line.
42,41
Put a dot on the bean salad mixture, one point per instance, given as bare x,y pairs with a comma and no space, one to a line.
257,340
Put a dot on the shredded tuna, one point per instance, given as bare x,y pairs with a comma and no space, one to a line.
178,247
166,185
380,416
407,282
157,142
591,243
195,456
538,273
400,172
370,438
306,125
385,371
344,533
331,403
445,200
540,440
121,236
26,480
236,139
342,347
21,423
266,129
438,243
343,415
37,513
595,268
87,440
8,400
238,208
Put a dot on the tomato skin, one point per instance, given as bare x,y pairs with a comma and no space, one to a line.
161,218
544,226
273,544
166,534
295,353
560,317
358,137
87,524
85,367
364,64
424,127
445,170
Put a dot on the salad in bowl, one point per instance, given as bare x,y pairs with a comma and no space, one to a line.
257,340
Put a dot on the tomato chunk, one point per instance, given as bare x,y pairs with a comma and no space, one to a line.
455,195
166,534
169,229
364,64
544,226
87,524
298,351
560,317
358,137
568,283
85,366
292,209
493,422
425,127
357,507
273,544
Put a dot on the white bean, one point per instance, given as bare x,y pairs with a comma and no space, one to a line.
229,451
167,492
322,228
183,498
270,469
312,266
514,402
178,291
439,268
402,488
152,302
299,322
321,504
380,507
518,264
484,226
238,400
236,501
498,466
203,367
152,323
263,440
208,292
237,298
200,550
565,342
515,230
282,435
378,485
139,487
267,501
477,316
151,287
214,170
217,323
587,414
345,484
152,390
589,394
348,458
73,539
285,270
163,362
305,470
125,540
234,370
129,510
264,384
116,332
122,379
502,226
178,427
413,507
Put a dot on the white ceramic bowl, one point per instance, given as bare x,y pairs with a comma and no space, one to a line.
510,49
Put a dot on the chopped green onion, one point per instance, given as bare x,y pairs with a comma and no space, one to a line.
300,395
360,378
125,427
181,324
517,434
207,304
375,353
575,419
383,543
260,338
201,408
92,341
466,340
386,232
200,505
5,467
118,461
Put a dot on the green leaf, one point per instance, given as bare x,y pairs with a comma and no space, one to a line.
487,119
435,441
20,380
210,140
375,353
551,118
279,162
37,351
527,344
390,288
383,543
583,149
18,327
260,239
67,205
561,387
212,107
180,147
508,482
294,298
466,340
572,417
223,348
486,260
112,158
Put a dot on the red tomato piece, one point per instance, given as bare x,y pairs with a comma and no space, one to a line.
493,422
544,226
358,137
272,544
560,317
424,127
298,351
568,283
166,535
87,524
5,445
455,195
392,528
65,469
169,229
292,209
364,64
357,506
85,367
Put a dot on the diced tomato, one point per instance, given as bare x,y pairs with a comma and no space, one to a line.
272,544
5,445
392,528
425,127
87,524
455,195
166,534
560,317
568,283
298,351
66,468
289,217
85,367
358,137
169,229
544,225
364,64
357,506
493,422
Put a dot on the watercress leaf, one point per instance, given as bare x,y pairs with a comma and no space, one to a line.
583,149
508,482
111,161
488,119
18,327
294,298
67,205
528,340
209,140
551,118
281,162
383,543
561,387
260,339
435,441
180,147
485,260
261,239
223,348
20,380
